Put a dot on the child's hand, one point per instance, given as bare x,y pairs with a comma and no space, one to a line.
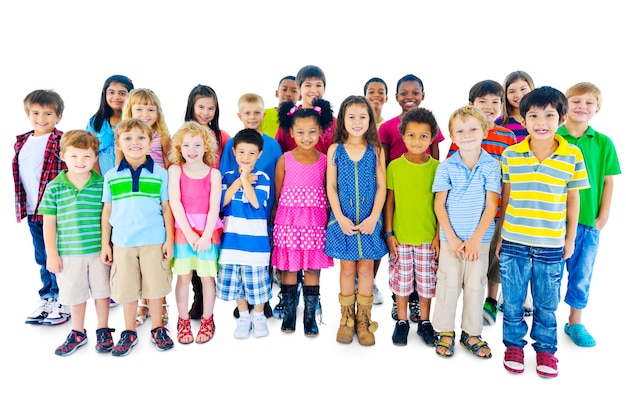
392,244
347,227
192,239
54,263
435,245
568,249
472,249
203,243
106,255
168,250
458,247
368,225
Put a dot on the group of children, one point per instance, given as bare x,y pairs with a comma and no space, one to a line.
305,187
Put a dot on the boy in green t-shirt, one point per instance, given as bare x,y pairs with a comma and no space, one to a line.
72,208
411,225
584,101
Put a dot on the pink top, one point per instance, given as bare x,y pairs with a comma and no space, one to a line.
389,134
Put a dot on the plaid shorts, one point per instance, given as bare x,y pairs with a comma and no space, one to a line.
414,268
244,282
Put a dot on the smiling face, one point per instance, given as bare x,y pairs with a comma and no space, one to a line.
357,120
251,115
409,95
135,144
43,118
417,138
541,122
490,104
204,110
515,91
147,113
192,148
305,132
467,133
376,94
246,155
310,90
116,94
582,108
79,161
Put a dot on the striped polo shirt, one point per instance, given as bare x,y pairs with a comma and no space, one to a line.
136,197
245,240
537,208
467,192
78,214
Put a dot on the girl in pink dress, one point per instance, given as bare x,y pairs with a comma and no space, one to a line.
301,211
195,191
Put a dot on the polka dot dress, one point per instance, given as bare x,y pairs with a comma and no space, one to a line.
301,216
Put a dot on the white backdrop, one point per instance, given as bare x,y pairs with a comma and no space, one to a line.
247,46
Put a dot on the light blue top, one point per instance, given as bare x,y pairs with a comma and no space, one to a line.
106,152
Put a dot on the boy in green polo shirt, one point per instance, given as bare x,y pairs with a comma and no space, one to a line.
584,100
72,208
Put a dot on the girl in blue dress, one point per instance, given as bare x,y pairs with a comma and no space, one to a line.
356,187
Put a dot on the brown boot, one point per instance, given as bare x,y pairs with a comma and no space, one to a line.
364,326
346,324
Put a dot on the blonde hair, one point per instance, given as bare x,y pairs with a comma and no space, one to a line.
466,111
80,139
584,88
250,98
193,128
146,96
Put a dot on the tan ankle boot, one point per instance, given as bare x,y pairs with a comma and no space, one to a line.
346,324
364,326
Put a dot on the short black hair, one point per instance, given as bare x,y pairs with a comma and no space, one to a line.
542,97
419,115
250,136
486,87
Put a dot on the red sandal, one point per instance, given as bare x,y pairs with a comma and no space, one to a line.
184,331
207,329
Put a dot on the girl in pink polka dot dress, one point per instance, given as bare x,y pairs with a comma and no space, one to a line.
302,211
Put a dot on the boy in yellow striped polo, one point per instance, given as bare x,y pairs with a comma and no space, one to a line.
542,176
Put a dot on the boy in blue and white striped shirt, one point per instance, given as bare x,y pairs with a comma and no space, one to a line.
243,274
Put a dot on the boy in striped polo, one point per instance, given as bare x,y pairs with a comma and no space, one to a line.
72,207
542,176
137,233
244,257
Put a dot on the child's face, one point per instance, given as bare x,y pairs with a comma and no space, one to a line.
116,94
311,89
147,113
204,110
516,91
467,134
43,118
192,148
582,108
251,116
287,91
542,122
409,95
79,161
417,138
376,94
357,120
246,156
490,104
306,132
135,145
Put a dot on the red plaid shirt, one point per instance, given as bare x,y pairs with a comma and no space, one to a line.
52,166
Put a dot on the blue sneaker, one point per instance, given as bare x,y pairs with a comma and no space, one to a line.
105,339
128,339
161,339
75,340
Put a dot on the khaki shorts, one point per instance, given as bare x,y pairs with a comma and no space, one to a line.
140,272
83,276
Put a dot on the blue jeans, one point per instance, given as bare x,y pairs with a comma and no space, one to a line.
50,289
543,268
580,266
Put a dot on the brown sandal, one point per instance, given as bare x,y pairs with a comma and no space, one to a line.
207,329
184,331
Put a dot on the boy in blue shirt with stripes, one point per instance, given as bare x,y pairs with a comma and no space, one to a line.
244,258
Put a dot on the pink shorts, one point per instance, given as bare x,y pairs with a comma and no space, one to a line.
414,268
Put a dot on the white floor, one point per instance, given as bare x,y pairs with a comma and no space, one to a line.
291,366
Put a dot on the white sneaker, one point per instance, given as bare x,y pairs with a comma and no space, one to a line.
259,325
41,312
378,297
59,314
244,325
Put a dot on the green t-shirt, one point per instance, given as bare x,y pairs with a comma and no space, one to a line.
78,213
600,160
414,220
